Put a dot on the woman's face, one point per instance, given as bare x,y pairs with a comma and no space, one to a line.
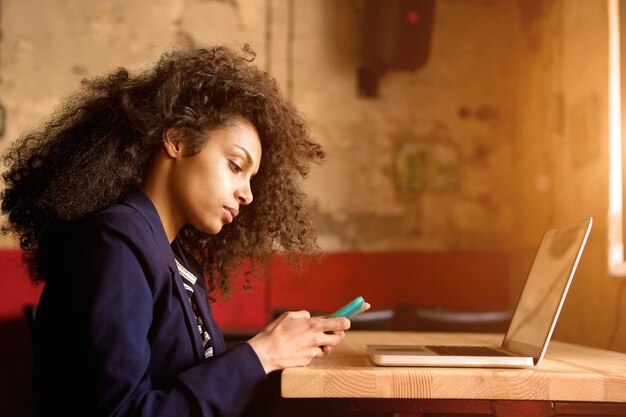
208,188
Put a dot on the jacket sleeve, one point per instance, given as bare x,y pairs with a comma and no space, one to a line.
108,296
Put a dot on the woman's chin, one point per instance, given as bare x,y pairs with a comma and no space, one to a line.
212,229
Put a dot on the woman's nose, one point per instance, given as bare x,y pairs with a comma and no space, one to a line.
245,195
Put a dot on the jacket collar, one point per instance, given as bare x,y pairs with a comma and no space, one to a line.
138,200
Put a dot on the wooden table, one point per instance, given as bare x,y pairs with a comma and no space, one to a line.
572,380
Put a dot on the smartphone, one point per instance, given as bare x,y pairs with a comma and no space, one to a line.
351,309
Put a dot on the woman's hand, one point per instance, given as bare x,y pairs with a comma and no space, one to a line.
295,339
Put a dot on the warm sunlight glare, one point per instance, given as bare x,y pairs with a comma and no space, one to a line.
617,266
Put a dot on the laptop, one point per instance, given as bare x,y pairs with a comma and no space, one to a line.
533,320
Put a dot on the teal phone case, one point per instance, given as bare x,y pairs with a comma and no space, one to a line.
350,309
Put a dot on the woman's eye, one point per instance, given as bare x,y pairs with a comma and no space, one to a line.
234,167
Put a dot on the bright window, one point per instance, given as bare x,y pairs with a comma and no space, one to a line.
617,177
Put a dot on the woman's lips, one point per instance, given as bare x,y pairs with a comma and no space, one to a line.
231,213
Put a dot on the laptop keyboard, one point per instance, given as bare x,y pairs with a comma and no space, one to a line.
468,351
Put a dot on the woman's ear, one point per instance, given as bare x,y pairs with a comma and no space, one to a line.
172,142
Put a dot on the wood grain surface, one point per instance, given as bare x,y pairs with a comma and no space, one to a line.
567,373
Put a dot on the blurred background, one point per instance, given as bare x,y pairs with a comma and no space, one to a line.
457,131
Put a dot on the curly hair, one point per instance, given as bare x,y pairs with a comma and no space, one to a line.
97,146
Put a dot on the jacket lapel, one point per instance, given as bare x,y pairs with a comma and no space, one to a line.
140,202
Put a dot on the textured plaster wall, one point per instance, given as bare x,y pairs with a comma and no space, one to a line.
459,104
48,47
423,166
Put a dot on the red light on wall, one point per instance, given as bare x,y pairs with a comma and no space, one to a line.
412,16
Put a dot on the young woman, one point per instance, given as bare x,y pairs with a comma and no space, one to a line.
137,191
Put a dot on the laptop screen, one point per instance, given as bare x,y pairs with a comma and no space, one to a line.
545,289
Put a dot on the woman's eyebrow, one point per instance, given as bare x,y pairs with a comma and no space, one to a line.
248,157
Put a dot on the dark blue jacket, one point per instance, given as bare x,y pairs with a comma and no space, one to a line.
115,334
